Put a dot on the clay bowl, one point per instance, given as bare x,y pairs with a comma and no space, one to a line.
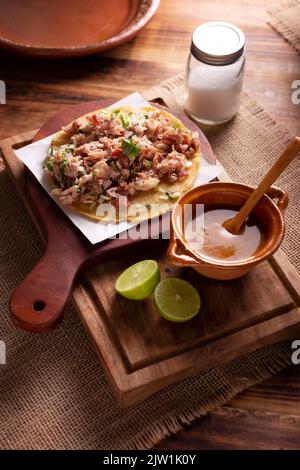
268,214
71,27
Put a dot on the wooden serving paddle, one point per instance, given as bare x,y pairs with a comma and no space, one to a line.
39,301
235,224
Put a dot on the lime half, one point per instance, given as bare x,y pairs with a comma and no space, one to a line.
176,300
139,280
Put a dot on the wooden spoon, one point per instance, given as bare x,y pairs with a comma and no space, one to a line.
235,224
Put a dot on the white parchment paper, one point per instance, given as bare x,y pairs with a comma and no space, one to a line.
33,157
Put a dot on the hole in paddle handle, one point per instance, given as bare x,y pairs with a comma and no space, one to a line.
39,305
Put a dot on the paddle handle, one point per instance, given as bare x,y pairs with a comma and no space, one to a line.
235,224
39,301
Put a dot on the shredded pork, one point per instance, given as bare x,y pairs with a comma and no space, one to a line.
118,154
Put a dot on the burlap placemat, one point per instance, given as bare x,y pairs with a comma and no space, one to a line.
53,391
285,18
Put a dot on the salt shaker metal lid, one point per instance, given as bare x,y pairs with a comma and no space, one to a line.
217,43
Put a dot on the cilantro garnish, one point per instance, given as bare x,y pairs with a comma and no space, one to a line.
49,166
62,166
125,122
148,164
115,113
130,149
171,195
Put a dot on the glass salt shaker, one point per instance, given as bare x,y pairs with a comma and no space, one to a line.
215,73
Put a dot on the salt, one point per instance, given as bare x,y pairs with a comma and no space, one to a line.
215,74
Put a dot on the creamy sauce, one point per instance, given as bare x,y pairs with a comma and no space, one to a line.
63,23
218,244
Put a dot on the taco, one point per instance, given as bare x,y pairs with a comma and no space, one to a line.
122,158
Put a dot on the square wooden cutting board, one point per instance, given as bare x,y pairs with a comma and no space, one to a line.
143,353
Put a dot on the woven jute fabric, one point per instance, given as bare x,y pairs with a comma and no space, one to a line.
53,392
285,18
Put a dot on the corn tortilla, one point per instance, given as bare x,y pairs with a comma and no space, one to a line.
161,199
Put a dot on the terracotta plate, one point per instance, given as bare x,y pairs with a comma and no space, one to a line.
62,28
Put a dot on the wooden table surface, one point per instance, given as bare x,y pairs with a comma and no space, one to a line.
266,416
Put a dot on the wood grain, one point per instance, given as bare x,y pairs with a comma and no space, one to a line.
141,352
36,90
38,303
43,87
230,315
239,429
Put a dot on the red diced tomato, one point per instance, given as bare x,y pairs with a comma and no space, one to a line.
93,119
116,153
